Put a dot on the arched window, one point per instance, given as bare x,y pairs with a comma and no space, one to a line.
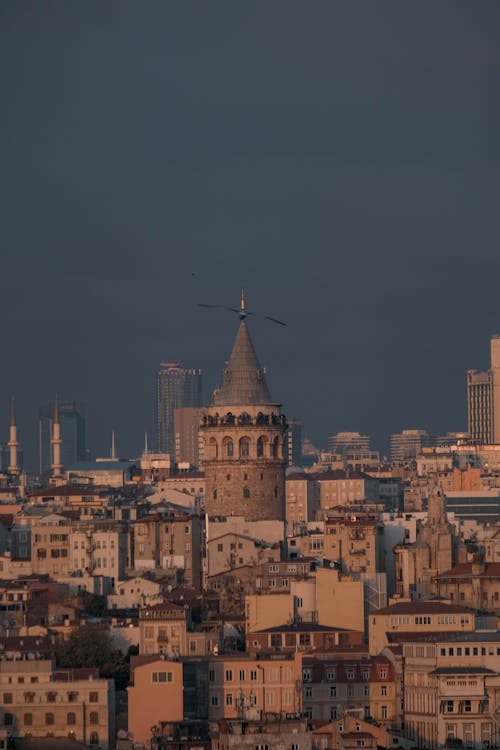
246,492
276,443
261,442
215,494
49,719
229,446
213,448
94,717
244,448
228,477
71,718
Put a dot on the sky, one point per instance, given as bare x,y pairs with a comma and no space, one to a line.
340,160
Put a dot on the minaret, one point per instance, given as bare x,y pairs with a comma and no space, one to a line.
13,445
113,447
56,442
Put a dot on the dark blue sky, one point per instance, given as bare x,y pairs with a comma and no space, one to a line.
338,159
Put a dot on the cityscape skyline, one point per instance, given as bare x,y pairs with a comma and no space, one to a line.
162,158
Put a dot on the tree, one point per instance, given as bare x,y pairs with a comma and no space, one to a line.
90,646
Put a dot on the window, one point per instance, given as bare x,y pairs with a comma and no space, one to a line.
220,548
94,697
229,675
242,675
383,690
51,697
28,720
49,719
8,719
214,700
330,674
163,677
253,674
383,712
7,697
29,697
350,691
333,712
230,448
93,717
71,718
72,697
229,699
246,492
333,692
211,675
309,692
244,448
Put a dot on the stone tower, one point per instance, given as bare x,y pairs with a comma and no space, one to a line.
244,433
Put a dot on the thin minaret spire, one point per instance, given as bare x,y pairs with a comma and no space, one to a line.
146,450
13,444
56,441
113,448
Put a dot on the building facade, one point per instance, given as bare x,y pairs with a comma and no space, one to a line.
176,387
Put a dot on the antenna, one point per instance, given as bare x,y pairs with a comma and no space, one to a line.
242,312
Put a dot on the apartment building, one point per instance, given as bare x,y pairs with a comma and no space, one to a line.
353,684
99,548
40,701
396,622
50,545
171,542
344,488
452,690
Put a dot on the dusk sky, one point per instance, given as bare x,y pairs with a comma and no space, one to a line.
340,160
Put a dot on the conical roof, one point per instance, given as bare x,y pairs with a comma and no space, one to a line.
243,382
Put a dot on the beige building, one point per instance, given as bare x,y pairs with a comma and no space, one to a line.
232,550
50,545
169,542
40,701
473,584
344,488
325,598
163,629
452,690
355,541
99,548
301,500
404,618
243,687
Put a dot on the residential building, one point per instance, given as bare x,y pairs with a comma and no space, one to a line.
40,701
344,488
402,619
452,690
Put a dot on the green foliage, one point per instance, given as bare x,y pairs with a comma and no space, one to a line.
90,646
93,604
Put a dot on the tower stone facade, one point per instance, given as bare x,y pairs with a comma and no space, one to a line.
244,433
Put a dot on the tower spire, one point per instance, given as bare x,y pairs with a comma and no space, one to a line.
113,448
13,444
56,441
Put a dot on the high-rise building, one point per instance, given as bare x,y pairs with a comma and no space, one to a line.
244,435
406,445
348,442
187,435
72,422
293,443
483,392
176,388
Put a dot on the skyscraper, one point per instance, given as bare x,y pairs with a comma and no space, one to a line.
483,400
176,388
